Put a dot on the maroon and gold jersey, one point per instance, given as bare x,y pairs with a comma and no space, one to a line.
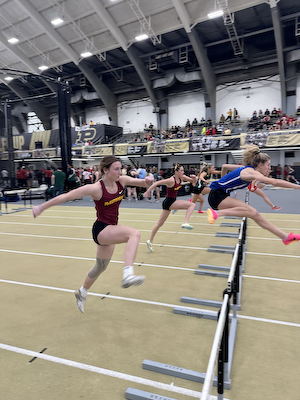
173,191
108,206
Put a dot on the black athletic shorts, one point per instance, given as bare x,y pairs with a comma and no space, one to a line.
168,201
215,197
97,228
197,190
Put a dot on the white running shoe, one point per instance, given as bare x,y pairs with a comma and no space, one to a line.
80,300
149,245
130,280
187,226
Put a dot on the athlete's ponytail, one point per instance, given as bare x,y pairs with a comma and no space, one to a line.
205,167
253,156
176,166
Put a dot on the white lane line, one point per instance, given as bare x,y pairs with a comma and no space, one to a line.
272,254
271,279
136,263
103,371
149,302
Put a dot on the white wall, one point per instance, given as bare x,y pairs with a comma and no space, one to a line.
186,106
134,115
261,95
98,115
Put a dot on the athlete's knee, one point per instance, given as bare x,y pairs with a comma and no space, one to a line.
253,213
135,234
99,267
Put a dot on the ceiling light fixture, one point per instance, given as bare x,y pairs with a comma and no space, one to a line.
143,36
13,40
57,21
86,54
215,14
43,67
8,78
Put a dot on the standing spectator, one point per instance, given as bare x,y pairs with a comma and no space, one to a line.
71,179
86,176
39,176
229,115
95,174
298,111
291,175
30,177
286,171
58,182
213,130
23,177
235,113
142,172
4,175
278,171
203,132
187,124
48,173
132,173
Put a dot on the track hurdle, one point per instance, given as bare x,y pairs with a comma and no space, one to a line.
233,288
18,192
238,257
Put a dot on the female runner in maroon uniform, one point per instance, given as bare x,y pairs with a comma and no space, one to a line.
107,195
171,203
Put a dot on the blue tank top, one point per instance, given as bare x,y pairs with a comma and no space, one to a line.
231,181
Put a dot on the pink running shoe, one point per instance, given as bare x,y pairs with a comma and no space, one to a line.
212,215
292,237
200,212
190,199
276,208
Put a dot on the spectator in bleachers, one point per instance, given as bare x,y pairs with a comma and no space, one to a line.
213,130
254,115
260,113
209,122
279,112
222,119
291,121
235,113
274,112
267,112
187,124
195,122
91,122
202,120
229,115
298,111
208,132
227,131
203,132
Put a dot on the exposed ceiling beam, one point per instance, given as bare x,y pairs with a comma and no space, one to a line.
19,54
47,28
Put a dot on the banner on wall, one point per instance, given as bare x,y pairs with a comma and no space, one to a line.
130,149
103,150
206,143
283,140
95,134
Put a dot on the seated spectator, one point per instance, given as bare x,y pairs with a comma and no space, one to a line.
298,122
195,122
203,120
203,132
291,121
209,122
267,112
274,112
260,113
187,124
278,124
298,111
254,115
213,130
227,131
208,132
220,129
91,122
151,126
222,119
279,112
284,122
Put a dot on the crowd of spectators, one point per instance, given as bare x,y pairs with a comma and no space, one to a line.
274,120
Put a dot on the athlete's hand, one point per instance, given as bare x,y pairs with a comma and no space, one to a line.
149,180
252,186
147,193
36,211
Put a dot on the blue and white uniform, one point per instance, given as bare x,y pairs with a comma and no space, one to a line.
223,187
231,181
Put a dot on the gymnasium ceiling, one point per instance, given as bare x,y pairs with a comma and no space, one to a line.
108,28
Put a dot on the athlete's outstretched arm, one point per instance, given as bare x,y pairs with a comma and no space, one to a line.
88,190
228,168
250,174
